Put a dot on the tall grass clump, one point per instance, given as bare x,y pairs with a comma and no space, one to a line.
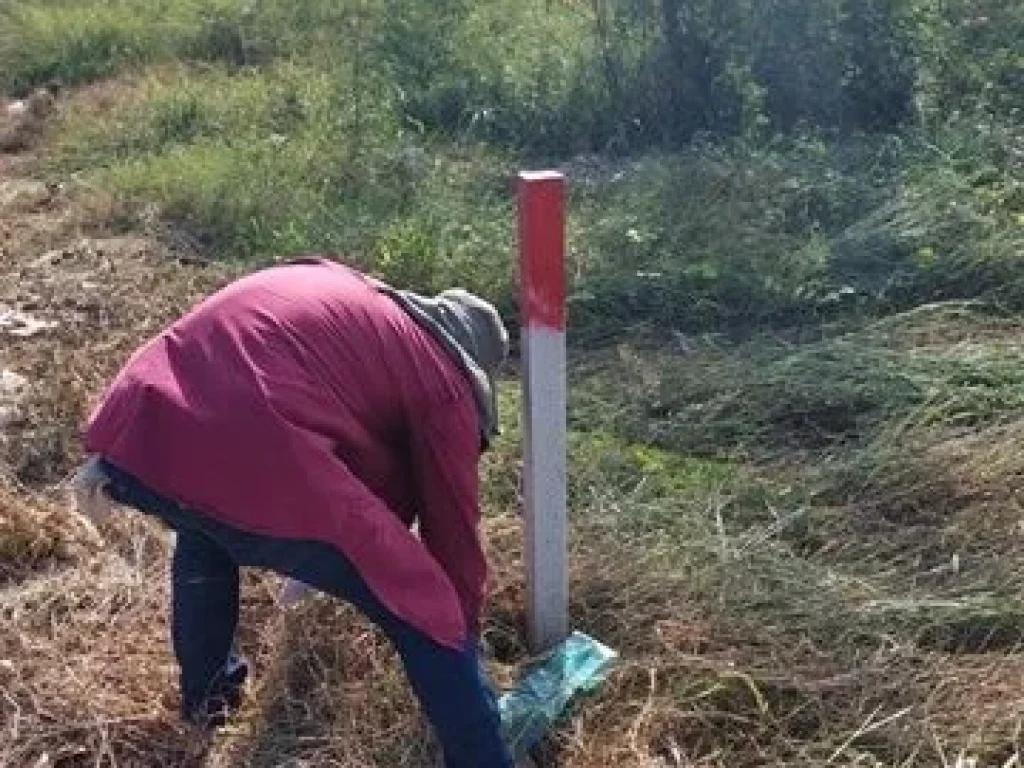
76,43
260,164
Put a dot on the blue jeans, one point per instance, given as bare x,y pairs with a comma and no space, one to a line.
449,684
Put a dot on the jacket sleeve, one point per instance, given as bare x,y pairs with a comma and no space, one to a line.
445,448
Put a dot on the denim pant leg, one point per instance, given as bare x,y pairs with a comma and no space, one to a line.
458,700
205,591
204,615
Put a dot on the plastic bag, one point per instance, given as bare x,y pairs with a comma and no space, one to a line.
580,663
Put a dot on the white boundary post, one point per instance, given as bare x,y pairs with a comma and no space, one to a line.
542,297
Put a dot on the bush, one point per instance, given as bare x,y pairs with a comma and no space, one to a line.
562,78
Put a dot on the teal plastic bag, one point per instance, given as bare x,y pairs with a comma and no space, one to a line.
528,711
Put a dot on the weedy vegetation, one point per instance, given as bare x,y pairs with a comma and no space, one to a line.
797,354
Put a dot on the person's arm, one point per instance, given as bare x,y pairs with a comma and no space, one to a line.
445,453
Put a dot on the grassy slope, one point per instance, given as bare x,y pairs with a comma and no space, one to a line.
805,541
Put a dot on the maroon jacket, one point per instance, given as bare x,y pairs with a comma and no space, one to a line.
300,402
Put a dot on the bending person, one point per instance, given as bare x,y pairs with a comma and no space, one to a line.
302,419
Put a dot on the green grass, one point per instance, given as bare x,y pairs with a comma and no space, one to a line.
289,157
84,41
391,134
844,385
880,542
265,163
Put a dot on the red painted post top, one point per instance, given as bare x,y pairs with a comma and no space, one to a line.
542,248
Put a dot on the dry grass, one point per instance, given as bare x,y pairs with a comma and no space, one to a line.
799,608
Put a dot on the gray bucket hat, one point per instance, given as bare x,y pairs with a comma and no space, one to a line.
471,329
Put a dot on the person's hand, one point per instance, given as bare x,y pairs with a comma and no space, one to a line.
483,647
90,492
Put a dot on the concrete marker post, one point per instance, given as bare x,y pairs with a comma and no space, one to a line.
541,200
